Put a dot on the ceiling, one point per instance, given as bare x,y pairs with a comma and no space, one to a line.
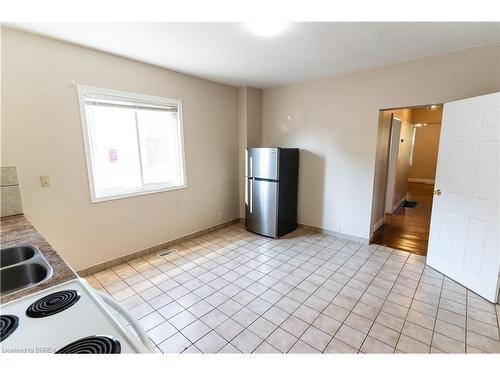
229,53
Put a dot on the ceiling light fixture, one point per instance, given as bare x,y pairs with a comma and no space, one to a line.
434,106
266,28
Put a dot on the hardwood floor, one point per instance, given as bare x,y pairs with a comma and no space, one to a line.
408,228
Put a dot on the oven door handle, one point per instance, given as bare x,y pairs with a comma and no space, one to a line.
129,318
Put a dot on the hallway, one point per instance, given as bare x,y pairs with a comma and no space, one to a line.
408,228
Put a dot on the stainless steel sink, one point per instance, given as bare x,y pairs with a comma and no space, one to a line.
22,267
21,276
17,254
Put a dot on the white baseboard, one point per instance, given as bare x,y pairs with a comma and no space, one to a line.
150,250
421,181
329,232
377,225
399,203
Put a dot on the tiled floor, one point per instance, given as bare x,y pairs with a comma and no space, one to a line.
232,291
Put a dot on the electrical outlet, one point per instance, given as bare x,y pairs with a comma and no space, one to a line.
44,181
220,216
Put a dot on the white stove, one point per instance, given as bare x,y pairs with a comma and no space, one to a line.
69,318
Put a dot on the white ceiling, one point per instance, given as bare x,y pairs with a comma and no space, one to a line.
229,53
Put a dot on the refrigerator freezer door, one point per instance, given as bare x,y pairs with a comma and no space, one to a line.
262,163
262,207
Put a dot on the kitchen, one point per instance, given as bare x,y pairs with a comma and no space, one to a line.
214,208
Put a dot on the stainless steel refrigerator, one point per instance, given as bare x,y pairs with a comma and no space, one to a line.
271,184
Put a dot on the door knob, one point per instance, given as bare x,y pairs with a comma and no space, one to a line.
437,192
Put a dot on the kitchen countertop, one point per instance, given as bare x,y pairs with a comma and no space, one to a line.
17,230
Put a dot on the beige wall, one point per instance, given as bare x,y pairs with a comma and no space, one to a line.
425,151
250,131
334,122
242,142
254,117
41,135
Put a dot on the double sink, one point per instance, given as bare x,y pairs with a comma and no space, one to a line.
22,267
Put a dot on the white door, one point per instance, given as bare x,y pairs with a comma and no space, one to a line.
464,235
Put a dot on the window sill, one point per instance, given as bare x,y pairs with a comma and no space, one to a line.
130,194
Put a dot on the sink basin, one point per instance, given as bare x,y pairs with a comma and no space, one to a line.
21,267
22,276
16,254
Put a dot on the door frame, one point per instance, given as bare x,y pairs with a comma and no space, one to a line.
376,223
392,165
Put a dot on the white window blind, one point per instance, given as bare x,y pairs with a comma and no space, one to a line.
134,143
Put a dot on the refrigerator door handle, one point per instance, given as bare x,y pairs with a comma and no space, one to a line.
251,193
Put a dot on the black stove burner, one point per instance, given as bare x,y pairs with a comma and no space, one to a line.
8,324
53,303
92,345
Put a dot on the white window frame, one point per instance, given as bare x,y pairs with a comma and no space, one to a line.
102,93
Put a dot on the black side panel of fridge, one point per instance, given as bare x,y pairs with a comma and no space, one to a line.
288,190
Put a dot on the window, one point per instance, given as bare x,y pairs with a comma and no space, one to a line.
133,143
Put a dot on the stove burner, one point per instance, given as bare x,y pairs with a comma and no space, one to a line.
92,345
53,303
8,324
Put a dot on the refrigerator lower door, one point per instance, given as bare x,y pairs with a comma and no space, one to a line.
261,207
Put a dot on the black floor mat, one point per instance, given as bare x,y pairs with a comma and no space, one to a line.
409,204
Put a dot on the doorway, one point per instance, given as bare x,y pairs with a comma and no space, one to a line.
407,149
